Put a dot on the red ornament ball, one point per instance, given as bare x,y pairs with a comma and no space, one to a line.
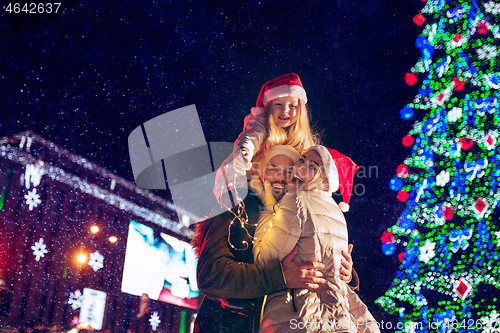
448,212
410,79
457,84
403,196
457,37
402,170
482,28
387,237
466,143
408,140
419,19
401,256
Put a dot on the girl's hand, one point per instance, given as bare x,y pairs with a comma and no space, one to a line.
269,199
291,187
242,161
257,187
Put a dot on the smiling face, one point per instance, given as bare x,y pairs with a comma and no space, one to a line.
284,110
304,171
278,173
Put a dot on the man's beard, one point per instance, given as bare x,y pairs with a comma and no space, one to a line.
279,190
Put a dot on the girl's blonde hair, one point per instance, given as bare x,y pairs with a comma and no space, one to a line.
299,135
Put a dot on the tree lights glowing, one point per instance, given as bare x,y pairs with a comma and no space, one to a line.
447,237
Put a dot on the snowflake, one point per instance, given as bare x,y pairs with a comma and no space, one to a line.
491,323
487,52
492,7
96,261
427,251
75,299
32,199
442,178
497,233
39,249
454,114
154,321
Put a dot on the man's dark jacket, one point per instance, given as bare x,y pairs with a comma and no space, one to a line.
225,272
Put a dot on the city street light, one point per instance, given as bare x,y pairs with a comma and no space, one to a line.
82,258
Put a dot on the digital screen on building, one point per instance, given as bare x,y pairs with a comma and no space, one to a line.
161,266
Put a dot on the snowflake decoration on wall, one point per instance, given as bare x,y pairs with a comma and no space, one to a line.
96,261
154,321
39,249
427,251
491,323
32,199
75,299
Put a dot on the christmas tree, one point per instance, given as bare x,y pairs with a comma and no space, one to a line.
447,238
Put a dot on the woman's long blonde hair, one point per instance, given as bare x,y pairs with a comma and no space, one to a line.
319,181
300,136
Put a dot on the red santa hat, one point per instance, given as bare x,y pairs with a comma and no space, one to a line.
340,171
282,86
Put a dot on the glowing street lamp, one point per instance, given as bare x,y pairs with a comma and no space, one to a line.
94,229
82,258
112,239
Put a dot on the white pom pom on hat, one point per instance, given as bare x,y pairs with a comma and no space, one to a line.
256,111
340,171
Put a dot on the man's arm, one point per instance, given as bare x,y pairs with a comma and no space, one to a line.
219,273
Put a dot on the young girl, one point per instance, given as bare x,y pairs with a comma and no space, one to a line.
279,118
308,216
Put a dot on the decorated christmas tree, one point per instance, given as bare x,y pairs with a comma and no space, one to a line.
447,237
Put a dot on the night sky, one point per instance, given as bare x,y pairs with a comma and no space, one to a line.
86,79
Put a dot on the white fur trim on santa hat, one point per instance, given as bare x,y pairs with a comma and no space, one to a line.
344,207
330,169
282,150
285,90
256,111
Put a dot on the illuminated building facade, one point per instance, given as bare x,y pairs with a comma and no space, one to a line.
50,198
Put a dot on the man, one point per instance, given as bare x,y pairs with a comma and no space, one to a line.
225,262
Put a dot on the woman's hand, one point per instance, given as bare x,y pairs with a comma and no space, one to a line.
346,265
